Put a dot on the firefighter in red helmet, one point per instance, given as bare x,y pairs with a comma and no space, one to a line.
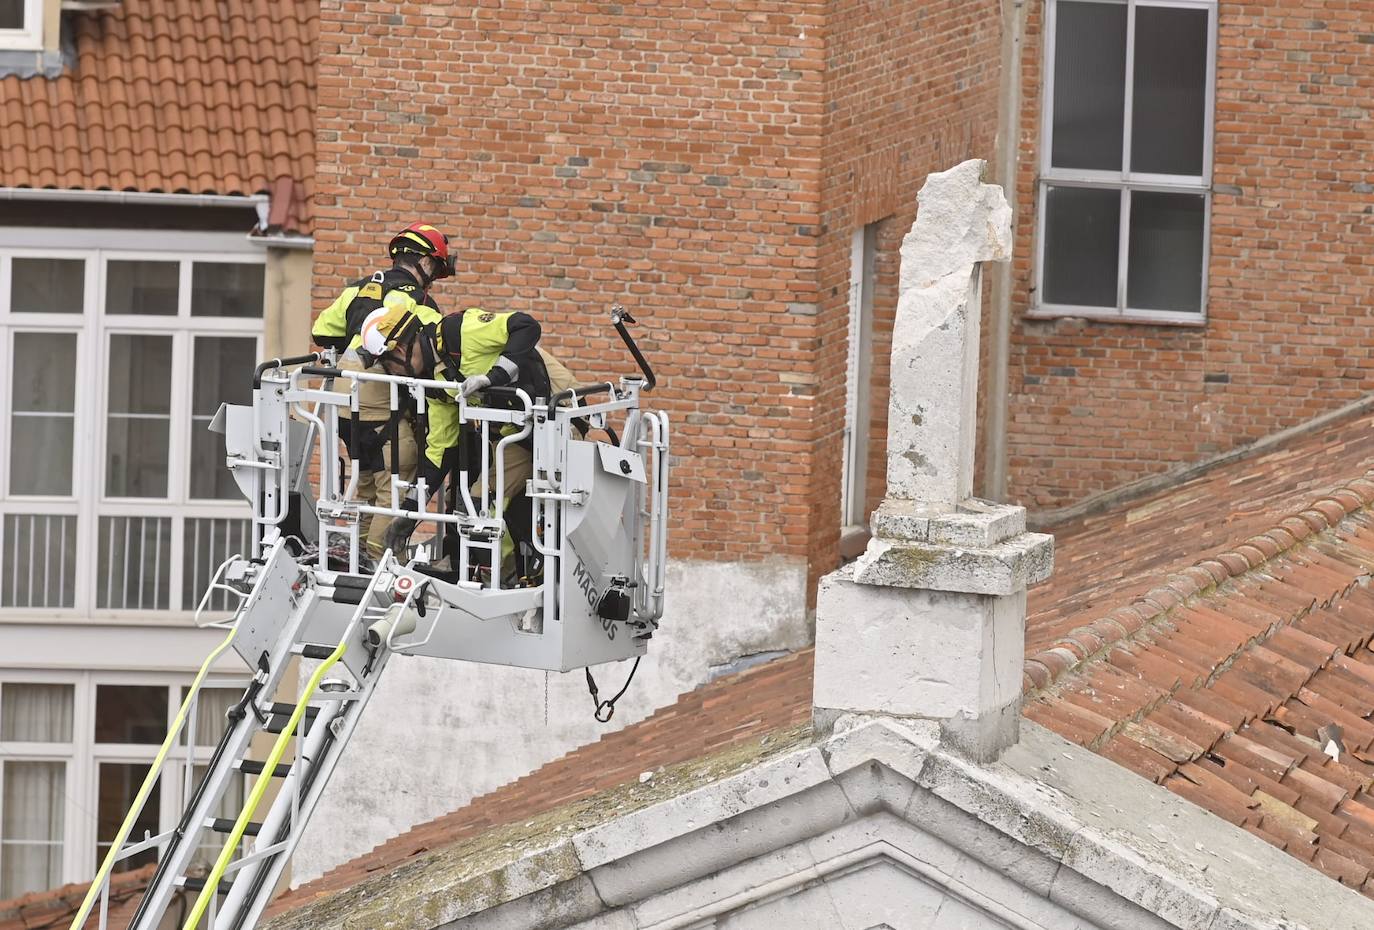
419,257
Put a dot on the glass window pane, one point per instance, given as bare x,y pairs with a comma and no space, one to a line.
31,811
206,542
135,565
44,364
226,289
222,367
1089,86
140,374
1164,264
224,373
136,457
11,17
40,561
35,713
1082,232
212,708
41,455
130,714
138,428
119,784
41,427
148,288
1169,105
47,285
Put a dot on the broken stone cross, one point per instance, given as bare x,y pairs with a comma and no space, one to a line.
930,621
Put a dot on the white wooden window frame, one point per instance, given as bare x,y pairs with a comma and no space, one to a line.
848,484
94,327
1126,180
83,756
30,36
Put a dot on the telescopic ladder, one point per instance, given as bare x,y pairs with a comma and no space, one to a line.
285,615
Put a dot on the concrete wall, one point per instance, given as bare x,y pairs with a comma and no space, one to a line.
286,317
438,734
1290,297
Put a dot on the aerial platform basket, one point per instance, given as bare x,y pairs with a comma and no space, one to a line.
589,589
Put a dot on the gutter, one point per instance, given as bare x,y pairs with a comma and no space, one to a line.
997,398
1134,490
259,202
278,241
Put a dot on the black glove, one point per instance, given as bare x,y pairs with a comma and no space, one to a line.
398,533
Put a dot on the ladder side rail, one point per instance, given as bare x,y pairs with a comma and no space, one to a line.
207,894
262,884
154,771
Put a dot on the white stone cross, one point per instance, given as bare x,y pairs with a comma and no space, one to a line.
932,414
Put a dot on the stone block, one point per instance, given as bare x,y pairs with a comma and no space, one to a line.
972,522
1002,569
939,655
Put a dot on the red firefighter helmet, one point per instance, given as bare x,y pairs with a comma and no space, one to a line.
423,239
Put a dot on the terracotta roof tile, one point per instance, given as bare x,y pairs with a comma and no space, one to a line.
214,99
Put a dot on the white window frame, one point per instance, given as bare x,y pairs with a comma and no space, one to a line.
863,247
30,36
1125,180
84,756
94,328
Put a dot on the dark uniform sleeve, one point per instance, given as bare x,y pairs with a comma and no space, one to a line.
522,337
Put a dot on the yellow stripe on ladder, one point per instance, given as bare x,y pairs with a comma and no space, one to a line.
259,789
106,867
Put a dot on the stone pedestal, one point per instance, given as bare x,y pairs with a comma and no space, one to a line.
932,625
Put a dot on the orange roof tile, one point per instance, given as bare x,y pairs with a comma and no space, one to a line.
50,909
1239,621
180,96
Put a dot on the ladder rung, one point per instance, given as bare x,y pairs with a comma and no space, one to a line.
277,707
316,651
250,767
196,884
280,714
226,825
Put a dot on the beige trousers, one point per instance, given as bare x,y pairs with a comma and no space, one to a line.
374,406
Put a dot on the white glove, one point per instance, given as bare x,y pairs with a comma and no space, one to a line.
474,384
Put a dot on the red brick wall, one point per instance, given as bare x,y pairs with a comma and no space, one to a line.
665,155
703,161
911,88
1291,286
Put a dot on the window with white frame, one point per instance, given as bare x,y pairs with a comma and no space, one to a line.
21,24
1126,158
114,498
74,751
